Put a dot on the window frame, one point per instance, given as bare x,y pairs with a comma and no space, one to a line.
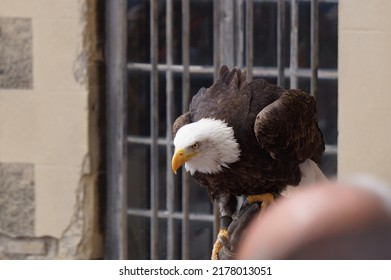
232,26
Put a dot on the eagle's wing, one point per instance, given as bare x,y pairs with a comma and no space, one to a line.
227,99
288,129
207,103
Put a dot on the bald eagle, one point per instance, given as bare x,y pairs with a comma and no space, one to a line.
248,139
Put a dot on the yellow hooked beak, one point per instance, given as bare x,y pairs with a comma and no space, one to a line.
179,158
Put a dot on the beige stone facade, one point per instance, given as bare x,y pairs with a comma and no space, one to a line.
48,129
364,93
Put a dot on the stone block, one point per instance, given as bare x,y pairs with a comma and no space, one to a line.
16,58
26,247
17,199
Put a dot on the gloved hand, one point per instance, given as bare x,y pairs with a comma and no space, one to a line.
235,230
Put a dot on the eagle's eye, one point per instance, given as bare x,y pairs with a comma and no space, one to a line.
195,145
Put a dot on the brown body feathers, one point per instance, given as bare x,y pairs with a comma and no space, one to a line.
276,129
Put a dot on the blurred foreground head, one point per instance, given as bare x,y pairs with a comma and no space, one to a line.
349,219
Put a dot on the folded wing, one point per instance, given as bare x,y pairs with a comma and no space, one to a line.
288,129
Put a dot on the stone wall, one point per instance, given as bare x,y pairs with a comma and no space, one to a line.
51,63
364,62
16,56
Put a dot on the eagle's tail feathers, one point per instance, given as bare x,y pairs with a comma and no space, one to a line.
231,79
242,79
223,72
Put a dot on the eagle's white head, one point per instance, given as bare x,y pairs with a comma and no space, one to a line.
205,146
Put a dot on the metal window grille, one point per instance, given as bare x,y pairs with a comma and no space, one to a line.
149,209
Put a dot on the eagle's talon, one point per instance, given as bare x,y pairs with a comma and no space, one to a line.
265,199
222,239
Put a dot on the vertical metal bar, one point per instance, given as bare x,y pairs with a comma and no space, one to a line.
314,46
294,43
154,131
227,33
216,221
281,42
217,63
239,59
217,36
169,121
115,56
249,39
185,106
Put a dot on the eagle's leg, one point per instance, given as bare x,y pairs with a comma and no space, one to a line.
265,199
227,205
